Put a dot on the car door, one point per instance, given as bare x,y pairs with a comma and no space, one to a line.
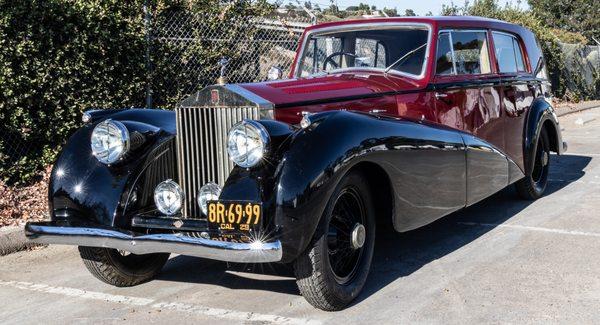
467,94
467,98
517,91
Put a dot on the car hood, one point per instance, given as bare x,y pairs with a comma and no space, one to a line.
329,88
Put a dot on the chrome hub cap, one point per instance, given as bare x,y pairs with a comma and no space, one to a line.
358,236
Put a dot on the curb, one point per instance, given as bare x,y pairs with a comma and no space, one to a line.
566,110
12,240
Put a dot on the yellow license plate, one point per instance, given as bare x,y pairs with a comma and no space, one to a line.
234,216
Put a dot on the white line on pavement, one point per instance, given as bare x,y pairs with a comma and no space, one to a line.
558,180
232,315
593,154
550,230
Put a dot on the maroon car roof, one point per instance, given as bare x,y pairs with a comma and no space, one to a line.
434,20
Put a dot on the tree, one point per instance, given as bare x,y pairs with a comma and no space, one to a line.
451,10
364,7
581,16
332,10
409,12
393,12
548,37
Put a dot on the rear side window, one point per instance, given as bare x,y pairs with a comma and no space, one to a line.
462,52
508,53
444,62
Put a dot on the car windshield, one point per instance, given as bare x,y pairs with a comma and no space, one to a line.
401,48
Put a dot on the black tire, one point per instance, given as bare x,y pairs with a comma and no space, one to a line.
320,285
120,270
533,185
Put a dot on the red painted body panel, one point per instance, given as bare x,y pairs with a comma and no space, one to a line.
329,87
491,111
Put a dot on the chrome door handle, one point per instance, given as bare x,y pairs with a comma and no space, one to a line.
440,95
375,111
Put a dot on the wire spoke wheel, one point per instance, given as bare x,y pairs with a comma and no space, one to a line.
344,256
542,158
533,185
334,268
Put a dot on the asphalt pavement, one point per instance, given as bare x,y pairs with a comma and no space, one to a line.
503,260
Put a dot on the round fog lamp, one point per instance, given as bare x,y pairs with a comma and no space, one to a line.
208,192
168,197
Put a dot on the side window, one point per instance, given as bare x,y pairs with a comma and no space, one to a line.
444,62
369,53
518,55
508,53
470,52
462,52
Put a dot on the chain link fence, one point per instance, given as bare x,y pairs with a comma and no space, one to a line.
186,48
182,56
583,63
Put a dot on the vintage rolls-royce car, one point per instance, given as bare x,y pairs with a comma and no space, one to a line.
397,121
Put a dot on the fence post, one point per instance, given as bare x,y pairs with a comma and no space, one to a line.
313,17
147,22
598,56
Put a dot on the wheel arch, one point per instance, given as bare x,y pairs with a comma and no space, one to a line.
552,133
541,116
415,154
380,186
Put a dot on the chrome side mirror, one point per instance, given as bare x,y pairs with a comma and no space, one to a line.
275,73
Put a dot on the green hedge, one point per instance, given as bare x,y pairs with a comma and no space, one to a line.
61,57
58,58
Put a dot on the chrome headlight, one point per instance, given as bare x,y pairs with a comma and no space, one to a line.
247,143
168,197
110,141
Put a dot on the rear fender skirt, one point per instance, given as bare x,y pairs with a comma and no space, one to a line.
540,113
488,169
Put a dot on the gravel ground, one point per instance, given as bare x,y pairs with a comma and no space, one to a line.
500,261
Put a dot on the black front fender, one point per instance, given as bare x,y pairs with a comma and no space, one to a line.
416,156
83,188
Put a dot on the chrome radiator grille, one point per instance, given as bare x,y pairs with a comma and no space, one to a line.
201,148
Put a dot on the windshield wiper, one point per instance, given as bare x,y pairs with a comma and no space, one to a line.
403,57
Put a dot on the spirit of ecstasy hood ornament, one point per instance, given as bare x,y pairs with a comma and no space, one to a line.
223,62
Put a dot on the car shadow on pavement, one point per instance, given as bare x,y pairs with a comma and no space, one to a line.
273,277
396,254
401,254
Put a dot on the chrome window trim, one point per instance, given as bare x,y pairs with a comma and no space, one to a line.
367,26
453,54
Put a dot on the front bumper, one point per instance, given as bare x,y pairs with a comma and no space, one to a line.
83,235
